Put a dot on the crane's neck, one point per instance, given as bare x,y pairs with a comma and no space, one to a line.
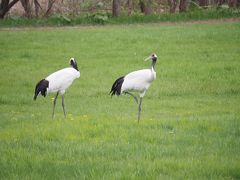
75,67
153,65
73,63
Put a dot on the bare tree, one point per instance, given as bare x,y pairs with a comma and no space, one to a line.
172,5
27,7
183,5
203,3
49,8
219,3
116,8
129,5
37,6
232,3
5,6
146,6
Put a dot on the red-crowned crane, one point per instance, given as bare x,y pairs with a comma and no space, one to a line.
138,81
58,82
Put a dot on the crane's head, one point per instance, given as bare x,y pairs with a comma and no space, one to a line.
152,57
73,63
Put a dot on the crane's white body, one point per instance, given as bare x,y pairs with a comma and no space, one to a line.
60,80
138,81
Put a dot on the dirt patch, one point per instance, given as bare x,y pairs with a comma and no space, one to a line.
211,21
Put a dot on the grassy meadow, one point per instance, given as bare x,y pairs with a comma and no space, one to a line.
190,123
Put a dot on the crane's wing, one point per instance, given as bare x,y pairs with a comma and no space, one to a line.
137,80
62,79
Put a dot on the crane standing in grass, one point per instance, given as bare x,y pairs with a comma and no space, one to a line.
58,82
138,81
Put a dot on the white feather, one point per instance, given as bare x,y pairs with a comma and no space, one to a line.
138,81
62,79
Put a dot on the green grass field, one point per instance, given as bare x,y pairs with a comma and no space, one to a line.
190,124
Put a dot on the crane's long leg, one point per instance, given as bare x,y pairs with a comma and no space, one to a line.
135,98
54,104
139,109
63,106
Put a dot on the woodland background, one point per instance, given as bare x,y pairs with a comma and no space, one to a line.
45,8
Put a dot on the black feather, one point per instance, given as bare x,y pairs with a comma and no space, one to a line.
116,87
41,87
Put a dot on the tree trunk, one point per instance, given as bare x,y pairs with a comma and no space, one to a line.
27,8
173,5
129,6
49,8
116,8
183,6
219,2
232,3
142,6
149,7
37,6
146,8
203,3
5,6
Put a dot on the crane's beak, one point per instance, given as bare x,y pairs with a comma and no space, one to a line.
148,58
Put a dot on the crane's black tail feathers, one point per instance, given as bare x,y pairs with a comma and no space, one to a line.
41,86
116,87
